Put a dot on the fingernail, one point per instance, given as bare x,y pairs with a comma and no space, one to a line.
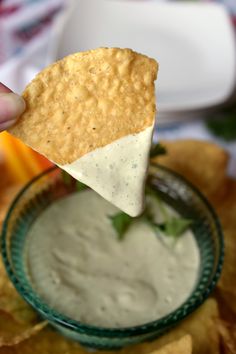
7,124
11,106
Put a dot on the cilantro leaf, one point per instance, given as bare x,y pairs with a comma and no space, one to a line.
70,181
157,149
121,222
67,179
174,227
80,186
223,124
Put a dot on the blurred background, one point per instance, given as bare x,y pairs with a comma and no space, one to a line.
193,41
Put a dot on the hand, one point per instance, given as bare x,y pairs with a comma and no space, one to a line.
11,107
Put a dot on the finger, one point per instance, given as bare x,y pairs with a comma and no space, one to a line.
4,88
6,125
11,107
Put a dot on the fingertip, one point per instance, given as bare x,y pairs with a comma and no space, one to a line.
7,124
4,88
11,106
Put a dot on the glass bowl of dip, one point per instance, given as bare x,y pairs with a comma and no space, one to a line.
171,188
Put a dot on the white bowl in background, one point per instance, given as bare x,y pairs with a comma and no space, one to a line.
193,42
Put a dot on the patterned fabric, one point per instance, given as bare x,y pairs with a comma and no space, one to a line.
231,7
29,38
22,21
35,16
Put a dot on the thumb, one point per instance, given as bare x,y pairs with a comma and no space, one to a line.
11,107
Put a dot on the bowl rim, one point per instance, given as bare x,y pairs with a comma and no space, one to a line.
166,321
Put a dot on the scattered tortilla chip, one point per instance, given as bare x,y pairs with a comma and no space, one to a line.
12,303
86,101
13,332
226,285
46,342
226,210
202,163
228,336
181,346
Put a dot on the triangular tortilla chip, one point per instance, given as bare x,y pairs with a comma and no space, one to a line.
87,102
181,346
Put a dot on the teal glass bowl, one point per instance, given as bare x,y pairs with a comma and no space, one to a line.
174,190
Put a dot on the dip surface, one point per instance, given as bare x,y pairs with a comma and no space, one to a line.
79,267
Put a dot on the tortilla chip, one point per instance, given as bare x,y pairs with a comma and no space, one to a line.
181,346
226,210
12,303
46,342
13,332
228,336
202,163
86,101
226,285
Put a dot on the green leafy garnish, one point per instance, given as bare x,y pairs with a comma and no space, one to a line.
157,150
171,226
67,179
223,124
80,186
174,227
70,181
121,222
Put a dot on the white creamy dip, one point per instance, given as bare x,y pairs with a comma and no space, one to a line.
79,267
117,171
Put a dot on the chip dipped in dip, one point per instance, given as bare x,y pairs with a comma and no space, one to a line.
93,113
82,269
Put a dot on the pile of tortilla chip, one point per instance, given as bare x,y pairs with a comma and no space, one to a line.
210,329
